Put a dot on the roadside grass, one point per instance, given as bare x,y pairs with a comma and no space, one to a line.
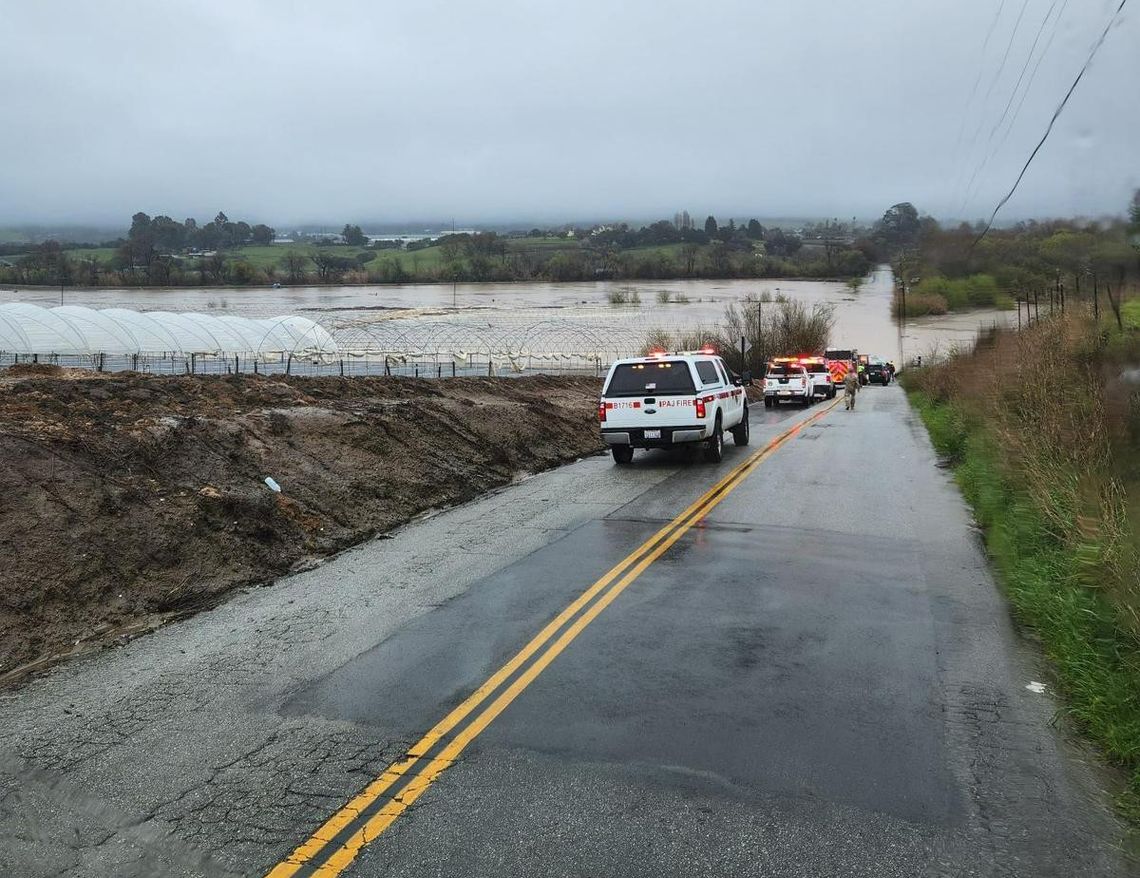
1097,660
1130,311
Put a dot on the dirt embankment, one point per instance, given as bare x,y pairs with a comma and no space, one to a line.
129,499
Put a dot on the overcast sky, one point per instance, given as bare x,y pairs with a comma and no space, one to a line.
499,110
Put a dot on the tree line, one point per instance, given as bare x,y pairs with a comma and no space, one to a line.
1056,261
161,251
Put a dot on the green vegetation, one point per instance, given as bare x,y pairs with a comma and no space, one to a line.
1052,264
1045,441
160,251
1131,312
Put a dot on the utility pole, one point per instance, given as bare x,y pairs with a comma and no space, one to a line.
904,270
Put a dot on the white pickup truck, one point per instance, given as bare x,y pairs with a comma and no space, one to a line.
788,379
670,400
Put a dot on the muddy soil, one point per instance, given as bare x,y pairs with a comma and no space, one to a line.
129,500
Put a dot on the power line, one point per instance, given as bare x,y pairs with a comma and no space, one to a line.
1024,67
1052,121
986,99
989,153
1033,75
1008,49
978,78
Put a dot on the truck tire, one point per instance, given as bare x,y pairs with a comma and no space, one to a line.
831,392
769,402
714,447
740,431
623,454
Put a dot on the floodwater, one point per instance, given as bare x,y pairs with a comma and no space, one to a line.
546,316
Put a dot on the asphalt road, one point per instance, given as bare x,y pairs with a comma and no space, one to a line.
811,673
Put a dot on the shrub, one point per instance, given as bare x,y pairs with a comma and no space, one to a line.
921,304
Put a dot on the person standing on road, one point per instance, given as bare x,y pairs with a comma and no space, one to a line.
850,388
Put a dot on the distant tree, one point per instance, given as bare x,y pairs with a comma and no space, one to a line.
755,231
710,226
167,235
899,227
689,254
660,232
353,236
294,263
776,243
139,247
331,268
263,235
160,271
719,261
213,268
140,225
486,244
453,245
242,272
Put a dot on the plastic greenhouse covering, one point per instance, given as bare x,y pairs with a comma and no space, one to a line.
70,329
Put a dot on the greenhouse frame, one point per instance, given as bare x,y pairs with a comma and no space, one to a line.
71,330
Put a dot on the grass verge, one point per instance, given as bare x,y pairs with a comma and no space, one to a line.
1097,662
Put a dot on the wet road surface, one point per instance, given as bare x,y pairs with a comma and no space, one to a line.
811,673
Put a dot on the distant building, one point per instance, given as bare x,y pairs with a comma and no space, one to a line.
682,220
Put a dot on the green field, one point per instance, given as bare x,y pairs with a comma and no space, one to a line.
272,254
102,254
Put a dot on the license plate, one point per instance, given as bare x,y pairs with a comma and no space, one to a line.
652,434
785,393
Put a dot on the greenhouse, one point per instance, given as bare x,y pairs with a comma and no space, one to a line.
70,331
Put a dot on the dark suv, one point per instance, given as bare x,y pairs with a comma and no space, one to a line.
877,372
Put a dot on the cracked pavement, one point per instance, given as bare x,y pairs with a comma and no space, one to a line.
795,689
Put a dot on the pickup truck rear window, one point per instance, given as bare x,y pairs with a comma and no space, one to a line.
660,378
785,371
707,372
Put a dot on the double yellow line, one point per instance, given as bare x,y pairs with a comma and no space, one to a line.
358,822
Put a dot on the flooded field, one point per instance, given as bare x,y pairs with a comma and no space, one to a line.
543,318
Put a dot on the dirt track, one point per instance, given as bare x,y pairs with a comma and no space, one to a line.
129,499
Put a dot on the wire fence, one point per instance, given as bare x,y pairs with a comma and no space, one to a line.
434,347
357,364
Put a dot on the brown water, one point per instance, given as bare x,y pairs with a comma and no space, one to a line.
544,316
